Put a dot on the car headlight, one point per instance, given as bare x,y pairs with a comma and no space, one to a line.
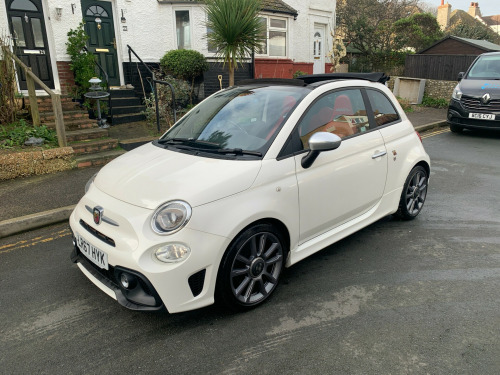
457,94
170,217
172,253
90,182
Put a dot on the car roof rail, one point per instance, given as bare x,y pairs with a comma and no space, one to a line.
372,77
274,81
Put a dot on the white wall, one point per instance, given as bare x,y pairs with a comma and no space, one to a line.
302,30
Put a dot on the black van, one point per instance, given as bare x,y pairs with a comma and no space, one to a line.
475,102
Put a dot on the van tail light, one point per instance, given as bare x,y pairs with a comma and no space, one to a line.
419,137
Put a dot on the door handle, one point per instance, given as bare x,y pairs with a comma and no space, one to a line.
379,154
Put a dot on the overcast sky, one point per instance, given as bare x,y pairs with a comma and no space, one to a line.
487,7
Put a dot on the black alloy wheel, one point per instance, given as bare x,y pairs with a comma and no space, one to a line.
251,268
414,194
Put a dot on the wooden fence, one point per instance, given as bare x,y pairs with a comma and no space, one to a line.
439,67
31,79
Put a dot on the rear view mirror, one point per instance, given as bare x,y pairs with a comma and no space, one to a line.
460,76
321,141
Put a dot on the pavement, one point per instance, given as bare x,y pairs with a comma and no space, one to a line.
33,202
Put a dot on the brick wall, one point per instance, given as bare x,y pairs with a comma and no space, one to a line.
274,68
304,67
66,77
282,68
433,88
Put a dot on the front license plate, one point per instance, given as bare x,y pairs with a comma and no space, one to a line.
92,253
482,116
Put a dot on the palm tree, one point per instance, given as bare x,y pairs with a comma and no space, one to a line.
236,30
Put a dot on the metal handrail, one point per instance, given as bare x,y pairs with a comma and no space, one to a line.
142,62
155,81
106,79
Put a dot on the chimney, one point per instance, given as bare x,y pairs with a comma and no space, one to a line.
474,10
443,15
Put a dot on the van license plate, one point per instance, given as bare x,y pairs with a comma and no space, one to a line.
482,116
92,253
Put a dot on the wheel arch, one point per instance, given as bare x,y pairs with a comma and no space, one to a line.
424,165
276,223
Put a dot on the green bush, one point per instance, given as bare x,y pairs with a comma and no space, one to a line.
15,134
184,64
299,73
429,101
82,62
405,104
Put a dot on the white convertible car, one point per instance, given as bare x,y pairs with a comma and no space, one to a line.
253,179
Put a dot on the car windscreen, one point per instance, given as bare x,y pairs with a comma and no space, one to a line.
485,67
246,118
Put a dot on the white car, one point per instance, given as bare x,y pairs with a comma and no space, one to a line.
253,179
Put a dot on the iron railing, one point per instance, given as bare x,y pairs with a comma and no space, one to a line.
155,82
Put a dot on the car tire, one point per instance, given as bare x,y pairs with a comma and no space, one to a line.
251,267
413,195
456,129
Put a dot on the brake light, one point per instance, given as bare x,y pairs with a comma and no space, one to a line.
419,137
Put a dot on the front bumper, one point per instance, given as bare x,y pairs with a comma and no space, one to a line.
130,247
142,297
458,115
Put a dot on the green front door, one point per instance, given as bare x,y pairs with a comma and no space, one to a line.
98,16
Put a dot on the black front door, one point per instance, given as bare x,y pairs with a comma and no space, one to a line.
99,27
30,39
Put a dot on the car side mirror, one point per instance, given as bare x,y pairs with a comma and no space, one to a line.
460,76
321,141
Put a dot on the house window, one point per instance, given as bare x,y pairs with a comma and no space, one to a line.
276,37
183,29
212,48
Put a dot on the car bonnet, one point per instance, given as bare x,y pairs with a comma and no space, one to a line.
150,176
479,87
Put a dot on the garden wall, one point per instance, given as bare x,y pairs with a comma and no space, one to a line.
434,88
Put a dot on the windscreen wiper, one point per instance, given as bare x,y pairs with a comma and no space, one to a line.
195,143
238,151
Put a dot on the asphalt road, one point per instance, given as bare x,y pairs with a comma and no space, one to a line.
395,298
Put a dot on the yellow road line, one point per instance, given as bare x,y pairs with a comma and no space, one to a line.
34,241
435,133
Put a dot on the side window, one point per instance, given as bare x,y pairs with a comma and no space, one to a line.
340,112
182,29
383,109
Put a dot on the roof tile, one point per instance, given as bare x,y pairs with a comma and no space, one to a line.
278,6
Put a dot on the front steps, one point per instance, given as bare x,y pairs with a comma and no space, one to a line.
92,145
126,107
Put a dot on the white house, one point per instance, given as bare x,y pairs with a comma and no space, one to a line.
298,34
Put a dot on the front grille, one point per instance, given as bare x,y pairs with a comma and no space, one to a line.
98,234
475,122
474,104
196,282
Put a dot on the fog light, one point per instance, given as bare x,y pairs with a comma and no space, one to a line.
127,281
172,253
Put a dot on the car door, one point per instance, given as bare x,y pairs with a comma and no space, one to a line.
347,182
